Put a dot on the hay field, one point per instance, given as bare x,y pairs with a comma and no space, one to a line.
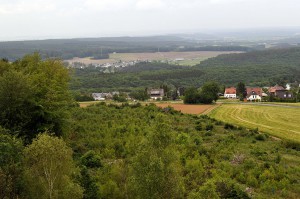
282,122
190,58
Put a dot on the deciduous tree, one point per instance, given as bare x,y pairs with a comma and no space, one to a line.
49,166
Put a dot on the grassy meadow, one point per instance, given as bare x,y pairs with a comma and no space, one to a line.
282,122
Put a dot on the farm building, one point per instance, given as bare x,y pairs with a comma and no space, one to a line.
230,92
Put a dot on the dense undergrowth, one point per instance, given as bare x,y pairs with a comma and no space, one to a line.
149,152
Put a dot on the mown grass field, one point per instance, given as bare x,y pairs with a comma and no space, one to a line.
282,122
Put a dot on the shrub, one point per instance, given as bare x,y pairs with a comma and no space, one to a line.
260,137
198,127
292,145
228,126
91,159
209,127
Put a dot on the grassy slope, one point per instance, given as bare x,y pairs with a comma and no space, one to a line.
278,121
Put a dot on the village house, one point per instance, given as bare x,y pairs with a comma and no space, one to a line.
156,94
230,92
274,89
99,96
254,94
280,92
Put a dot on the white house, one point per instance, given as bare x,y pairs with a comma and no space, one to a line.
230,92
156,94
99,96
254,94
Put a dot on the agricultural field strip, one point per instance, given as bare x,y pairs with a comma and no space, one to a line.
270,123
188,56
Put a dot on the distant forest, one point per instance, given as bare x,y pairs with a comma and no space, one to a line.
99,48
259,68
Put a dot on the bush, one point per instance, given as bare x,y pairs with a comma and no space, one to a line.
91,160
260,137
209,127
228,126
198,127
292,145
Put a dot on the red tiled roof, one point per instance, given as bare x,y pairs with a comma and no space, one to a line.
254,91
231,90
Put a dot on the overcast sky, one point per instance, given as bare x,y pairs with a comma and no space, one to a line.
38,19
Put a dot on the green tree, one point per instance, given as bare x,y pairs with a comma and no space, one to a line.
16,102
241,90
49,166
34,96
140,95
156,168
191,96
209,92
11,169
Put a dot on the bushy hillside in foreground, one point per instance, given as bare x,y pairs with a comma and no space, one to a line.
148,152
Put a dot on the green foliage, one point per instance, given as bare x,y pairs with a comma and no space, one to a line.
241,90
11,170
258,68
49,166
192,96
91,160
260,137
141,95
34,96
120,98
149,152
206,95
156,169
91,190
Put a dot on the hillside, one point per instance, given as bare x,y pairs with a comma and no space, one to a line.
144,147
260,68
127,151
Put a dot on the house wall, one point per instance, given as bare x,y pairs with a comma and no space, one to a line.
230,95
254,97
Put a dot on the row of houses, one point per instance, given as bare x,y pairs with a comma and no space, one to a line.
154,94
104,96
257,93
